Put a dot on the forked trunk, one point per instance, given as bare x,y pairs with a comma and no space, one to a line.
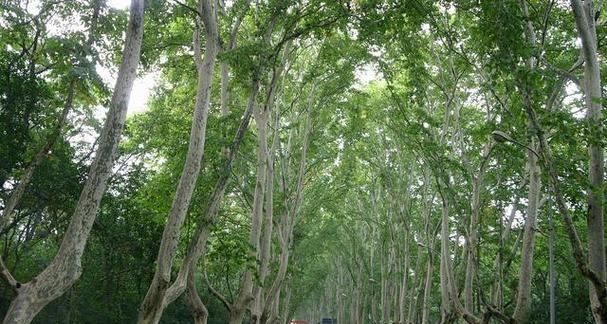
199,312
155,300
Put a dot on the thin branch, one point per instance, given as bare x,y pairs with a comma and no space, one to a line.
216,293
8,277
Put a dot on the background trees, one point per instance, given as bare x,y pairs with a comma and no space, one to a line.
351,166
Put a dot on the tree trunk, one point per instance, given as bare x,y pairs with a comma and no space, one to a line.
427,290
523,299
65,269
403,288
154,302
266,238
444,274
446,265
245,295
551,266
585,21
284,317
417,285
471,246
199,312
288,223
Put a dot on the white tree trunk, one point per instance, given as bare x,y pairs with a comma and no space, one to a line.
154,302
523,299
245,295
585,22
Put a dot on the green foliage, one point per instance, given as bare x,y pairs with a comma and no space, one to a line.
381,156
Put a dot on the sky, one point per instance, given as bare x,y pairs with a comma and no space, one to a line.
119,4
143,85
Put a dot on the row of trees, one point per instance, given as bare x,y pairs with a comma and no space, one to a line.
452,221
264,182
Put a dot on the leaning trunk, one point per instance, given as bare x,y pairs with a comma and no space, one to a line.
155,299
427,289
245,295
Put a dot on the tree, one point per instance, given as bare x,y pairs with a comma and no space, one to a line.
65,268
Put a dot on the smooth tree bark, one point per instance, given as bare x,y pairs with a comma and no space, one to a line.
245,294
65,269
268,222
477,186
287,223
592,268
576,244
584,14
458,308
225,68
584,17
551,270
200,314
196,246
496,288
284,317
430,240
405,275
417,286
427,291
155,299
523,296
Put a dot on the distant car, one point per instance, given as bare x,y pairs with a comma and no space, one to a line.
328,320
298,322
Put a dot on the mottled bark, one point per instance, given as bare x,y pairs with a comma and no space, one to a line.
403,287
446,265
427,290
201,235
200,314
266,237
444,262
155,300
225,71
245,295
576,245
268,226
523,299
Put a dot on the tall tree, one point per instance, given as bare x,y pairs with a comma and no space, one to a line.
156,300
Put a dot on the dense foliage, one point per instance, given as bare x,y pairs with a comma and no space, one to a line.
373,161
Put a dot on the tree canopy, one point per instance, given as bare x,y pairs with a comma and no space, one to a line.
364,161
